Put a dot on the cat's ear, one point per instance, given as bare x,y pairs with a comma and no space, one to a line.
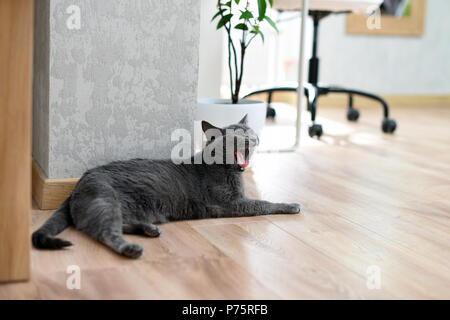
206,126
244,120
210,130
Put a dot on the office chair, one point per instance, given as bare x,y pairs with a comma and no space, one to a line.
320,9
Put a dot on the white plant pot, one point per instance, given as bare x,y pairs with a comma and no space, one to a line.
221,112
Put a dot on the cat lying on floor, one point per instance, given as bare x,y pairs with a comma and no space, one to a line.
130,197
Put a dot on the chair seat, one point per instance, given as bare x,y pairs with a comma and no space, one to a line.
327,5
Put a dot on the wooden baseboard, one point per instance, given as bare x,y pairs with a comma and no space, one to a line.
50,193
341,100
421,101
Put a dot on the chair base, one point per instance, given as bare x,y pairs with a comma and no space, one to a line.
312,92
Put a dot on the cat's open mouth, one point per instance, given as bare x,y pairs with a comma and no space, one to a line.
241,158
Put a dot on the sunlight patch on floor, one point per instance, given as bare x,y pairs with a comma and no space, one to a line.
280,134
364,138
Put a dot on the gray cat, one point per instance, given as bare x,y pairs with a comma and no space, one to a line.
130,197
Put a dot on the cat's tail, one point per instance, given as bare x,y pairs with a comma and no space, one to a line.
44,237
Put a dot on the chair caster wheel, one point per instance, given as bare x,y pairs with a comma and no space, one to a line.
388,126
352,114
315,130
271,113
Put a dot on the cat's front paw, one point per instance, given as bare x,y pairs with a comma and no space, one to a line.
132,250
293,208
152,231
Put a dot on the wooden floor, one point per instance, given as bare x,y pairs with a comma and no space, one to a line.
368,200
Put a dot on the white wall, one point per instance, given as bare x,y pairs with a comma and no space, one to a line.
386,64
211,40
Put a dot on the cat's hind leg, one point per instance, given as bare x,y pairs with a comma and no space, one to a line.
115,241
102,220
146,229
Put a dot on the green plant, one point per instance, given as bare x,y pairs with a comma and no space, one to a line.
249,22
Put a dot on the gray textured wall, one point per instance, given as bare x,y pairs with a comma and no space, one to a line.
118,86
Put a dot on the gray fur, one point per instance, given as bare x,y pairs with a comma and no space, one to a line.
130,197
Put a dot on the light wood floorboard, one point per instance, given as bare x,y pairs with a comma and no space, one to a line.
368,200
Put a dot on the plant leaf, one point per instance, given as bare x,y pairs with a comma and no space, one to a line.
241,26
262,36
224,20
271,3
262,6
246,15
217,14
237,1
270,21
228,4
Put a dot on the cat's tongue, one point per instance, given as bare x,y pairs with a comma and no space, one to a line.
241,161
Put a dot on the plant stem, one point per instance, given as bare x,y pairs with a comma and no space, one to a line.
248,43
238,74
229,68
234,97
239,80
239,77
219,4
